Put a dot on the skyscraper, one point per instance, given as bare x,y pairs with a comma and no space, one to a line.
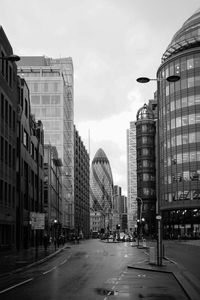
131,176
50,83
101,187
146,179
179,132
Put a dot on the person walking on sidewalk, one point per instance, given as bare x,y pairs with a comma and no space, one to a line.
46,241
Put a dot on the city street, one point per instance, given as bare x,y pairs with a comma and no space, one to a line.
92,269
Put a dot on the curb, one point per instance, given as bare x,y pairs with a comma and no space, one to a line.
40,261
184,282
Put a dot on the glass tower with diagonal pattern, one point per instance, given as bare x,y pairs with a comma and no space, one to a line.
101,187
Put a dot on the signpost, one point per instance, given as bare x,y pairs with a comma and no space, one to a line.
37,221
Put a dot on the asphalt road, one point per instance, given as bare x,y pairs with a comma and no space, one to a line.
92,270
186,255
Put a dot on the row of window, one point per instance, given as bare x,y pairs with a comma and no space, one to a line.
7,153
182,195
7,194
183,83
182,176
146,152
47,112
184,101
184,36
43,73
45,87
45,100
146,177
182,139
148,192
184,120
7,113
181,65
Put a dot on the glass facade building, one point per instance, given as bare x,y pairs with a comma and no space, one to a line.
101,186
50,82
131,177
179,131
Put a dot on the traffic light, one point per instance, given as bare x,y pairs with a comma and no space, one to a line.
118,226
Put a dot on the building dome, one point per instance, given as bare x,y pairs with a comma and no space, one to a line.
145,112
186,37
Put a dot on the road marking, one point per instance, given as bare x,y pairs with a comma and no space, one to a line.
63,262
16,285
49,271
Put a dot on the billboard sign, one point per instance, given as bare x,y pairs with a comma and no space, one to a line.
37,220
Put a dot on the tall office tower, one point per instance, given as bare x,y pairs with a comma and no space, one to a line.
146,171
132,177
51,89
179,132
101,187
81,187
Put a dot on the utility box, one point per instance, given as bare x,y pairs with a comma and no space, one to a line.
152,255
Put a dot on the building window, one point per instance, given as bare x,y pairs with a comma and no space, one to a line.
2,106
2,149
25,141
26,108
6,111
6,152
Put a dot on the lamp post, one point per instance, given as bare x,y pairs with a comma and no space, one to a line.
139,221
172,78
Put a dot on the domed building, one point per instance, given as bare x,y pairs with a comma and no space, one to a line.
146,182
101,187
179,132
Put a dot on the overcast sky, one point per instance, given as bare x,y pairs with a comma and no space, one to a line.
111,42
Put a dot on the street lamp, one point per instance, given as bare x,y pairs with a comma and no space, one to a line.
172,78
140,218
11,58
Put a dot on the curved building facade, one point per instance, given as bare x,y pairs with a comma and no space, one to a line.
146,183
101,185
179,131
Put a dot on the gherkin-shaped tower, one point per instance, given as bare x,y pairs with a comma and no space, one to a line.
101,183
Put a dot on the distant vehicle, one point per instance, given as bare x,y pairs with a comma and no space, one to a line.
95,234
124,237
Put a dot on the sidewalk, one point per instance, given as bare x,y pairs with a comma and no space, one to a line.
189,284
14,261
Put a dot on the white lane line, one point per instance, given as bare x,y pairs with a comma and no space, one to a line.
63,262
49,271
16,285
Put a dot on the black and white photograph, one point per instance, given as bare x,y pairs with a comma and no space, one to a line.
99,150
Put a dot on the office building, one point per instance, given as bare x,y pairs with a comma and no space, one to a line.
52,191
146,169
179,132
8,144
101,187
131,177
50,82
81,187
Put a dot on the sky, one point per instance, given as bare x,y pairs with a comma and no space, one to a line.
111,42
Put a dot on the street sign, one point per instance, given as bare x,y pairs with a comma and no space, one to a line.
37,220
158,217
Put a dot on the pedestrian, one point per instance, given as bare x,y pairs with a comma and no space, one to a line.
46,241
